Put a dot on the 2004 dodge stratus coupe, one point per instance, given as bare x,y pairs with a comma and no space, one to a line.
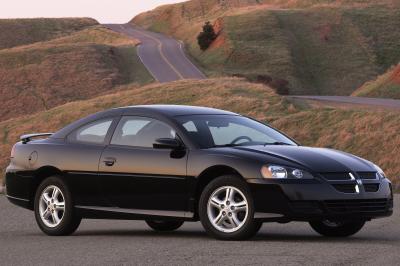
170,164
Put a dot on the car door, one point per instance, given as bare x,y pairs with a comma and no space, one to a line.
137,176
81,155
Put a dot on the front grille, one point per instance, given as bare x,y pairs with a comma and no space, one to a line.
367,175
357,206
345,188
371,187
336,176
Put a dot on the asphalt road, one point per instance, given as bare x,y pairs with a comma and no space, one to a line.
163,56
376,102
106,242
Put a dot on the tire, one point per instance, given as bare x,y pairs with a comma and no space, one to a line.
60,221
164,226
337,229
216,213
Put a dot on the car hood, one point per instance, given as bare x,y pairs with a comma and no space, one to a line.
315,159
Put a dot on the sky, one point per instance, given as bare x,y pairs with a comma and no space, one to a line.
105,11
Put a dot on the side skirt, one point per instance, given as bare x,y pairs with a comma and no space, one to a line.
97,212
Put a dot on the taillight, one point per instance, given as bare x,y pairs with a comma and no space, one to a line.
13,151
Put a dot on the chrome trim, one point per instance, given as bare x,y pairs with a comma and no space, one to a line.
358,181
259,215
126,175
181,214
16,198
352,176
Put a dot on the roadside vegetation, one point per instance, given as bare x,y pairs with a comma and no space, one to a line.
78,66
356,131
385,86
207,36
318,47
15,32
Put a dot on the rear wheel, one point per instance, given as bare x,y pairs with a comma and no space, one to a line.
337,228
54,211
226,209
164,225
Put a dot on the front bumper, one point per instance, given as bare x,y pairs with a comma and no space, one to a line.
306,200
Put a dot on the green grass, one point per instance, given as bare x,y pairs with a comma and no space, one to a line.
320,47
380,28
131,68
15,32
325,51
83,65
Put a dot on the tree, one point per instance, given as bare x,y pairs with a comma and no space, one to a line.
207,36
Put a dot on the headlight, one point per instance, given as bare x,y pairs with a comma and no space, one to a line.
380,172
281,172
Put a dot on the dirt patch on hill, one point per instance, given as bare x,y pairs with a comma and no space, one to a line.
395,77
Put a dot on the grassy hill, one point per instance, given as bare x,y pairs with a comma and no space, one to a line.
322,47
385,86
356,131
78,66
14,32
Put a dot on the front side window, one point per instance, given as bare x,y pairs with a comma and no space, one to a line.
230,130
140,132
94,132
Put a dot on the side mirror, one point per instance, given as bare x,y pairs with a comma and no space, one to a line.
167,143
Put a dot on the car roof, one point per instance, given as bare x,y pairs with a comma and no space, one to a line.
174,110
157,111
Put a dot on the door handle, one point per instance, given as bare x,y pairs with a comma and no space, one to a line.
109,161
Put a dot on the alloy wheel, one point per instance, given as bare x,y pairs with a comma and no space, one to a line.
52,206
227,209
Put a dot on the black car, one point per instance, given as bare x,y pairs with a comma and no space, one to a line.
170,164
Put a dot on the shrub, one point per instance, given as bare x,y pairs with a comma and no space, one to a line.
265,79
280,86
207,36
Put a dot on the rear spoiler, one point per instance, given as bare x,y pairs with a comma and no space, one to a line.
28,137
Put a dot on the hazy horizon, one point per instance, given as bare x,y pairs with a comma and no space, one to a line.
104,11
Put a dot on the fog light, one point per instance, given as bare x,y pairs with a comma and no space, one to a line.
297,173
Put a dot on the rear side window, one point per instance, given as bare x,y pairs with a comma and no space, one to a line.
140,132
94,132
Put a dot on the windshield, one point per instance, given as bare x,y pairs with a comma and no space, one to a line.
229,130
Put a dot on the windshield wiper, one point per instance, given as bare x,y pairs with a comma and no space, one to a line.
277,143
227,145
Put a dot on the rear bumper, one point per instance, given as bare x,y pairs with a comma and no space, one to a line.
277,201
19,189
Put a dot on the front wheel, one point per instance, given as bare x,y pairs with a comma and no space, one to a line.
226,209
164,226
54,211
337,228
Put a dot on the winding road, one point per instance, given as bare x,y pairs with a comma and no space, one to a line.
163,56
376,102
166,60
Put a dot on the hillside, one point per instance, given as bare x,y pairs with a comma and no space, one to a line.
385,86
79,66
321,47
359,132
15,32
